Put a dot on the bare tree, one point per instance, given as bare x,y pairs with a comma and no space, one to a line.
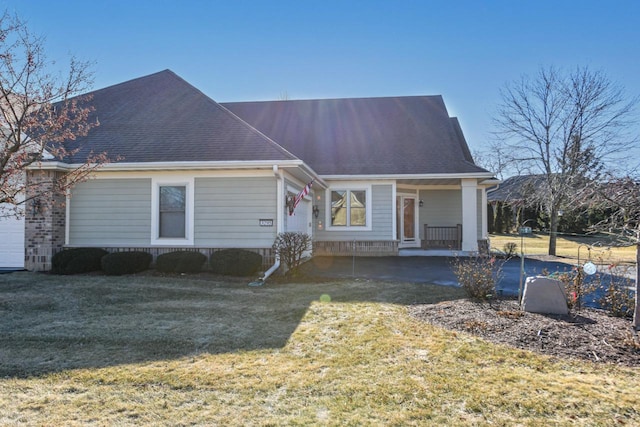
565,126
39,111
492,160
620,196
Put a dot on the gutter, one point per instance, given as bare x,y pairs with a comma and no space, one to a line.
409,176
186,165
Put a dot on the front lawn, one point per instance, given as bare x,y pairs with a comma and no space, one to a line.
134,350
600,248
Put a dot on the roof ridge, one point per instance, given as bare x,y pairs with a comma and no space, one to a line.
133,80
332,99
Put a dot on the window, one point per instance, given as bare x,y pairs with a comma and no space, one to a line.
349,208
172,211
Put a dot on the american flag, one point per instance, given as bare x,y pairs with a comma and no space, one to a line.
300,196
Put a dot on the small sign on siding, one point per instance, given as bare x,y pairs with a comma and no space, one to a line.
266,222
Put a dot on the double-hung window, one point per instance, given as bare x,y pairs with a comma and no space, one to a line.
350,208
172,211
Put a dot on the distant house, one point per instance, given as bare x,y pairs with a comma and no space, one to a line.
514,199
388,175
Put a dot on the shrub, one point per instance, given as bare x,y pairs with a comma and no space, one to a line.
235,262
77,260
618,299
118,263
180,262
291,247
574,286
510,249
477,275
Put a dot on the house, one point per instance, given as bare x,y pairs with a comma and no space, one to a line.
515,200
522,198
387,174
12,232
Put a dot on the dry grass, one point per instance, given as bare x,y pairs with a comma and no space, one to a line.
602,247
163,351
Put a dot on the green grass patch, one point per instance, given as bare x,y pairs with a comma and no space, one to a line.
178,351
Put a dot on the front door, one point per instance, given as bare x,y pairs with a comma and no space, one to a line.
406,221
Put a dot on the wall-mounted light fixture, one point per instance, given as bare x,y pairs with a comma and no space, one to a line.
316,211
421,203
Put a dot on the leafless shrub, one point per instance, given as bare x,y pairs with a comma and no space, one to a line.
291,248
510,249
478,275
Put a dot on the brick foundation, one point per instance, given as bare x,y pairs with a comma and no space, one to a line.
358,248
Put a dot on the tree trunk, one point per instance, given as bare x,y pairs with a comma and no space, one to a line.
553,231
636,312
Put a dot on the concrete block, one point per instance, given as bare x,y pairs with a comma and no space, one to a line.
544,295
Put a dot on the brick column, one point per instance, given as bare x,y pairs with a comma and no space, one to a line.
44,220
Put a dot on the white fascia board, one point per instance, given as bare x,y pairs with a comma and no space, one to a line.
123,166
141,166
408,176
165,166
60,166
310,173
490,182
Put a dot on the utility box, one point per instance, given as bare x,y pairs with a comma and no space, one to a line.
544,295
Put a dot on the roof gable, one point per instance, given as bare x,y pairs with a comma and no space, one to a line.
365,136
162,118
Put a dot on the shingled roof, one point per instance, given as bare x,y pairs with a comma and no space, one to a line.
162,118
365,136
519,188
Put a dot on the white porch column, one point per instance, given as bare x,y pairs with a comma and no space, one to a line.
485,222
469,215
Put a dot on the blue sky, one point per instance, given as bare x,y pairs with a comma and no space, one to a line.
262,50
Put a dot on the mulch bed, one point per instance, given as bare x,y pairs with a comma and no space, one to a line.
588,334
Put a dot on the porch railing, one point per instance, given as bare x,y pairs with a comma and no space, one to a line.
442,237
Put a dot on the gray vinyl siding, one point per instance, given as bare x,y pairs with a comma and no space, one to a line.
228,210
442,208
106,212
381,218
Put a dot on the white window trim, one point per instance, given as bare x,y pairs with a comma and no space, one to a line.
347,187
189,214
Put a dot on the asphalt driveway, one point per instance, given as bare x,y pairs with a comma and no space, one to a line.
418,269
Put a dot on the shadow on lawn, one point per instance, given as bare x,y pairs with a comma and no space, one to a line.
54,323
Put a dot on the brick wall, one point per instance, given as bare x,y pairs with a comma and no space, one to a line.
44,220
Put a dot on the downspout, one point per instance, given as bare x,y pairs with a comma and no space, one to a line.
279,221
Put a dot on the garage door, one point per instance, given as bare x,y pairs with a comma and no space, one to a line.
12,242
